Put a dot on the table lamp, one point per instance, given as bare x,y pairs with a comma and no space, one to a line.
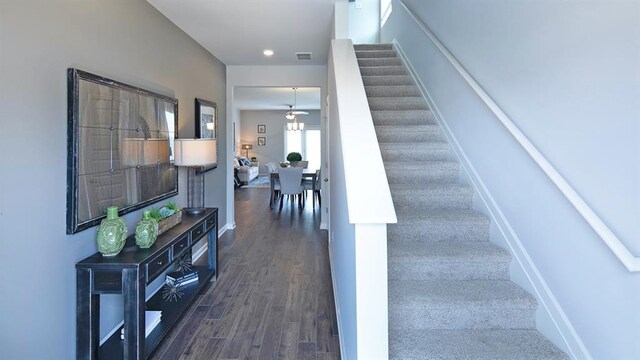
247,147
194,154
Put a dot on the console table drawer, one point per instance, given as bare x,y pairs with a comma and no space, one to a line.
180,246
210,222
155,267
197,232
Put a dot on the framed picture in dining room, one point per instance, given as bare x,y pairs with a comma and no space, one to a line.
262,129
206,119
262,141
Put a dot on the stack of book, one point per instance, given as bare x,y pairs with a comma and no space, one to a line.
152,319
178,278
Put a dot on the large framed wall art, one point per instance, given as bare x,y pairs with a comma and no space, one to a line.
120,148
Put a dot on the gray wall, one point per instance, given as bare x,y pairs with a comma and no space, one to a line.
276,122
126,40
567,74
364,21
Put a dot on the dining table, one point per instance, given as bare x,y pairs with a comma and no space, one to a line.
306,174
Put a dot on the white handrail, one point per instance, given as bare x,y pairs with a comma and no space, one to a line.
369,202
631,262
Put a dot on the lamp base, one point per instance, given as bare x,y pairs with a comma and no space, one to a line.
193,211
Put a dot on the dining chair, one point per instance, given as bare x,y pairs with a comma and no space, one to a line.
291,184
273,181
314,186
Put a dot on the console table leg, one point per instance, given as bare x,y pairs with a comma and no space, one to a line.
87,318
212,249
134,317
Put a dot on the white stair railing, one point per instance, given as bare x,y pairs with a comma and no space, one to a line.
361,208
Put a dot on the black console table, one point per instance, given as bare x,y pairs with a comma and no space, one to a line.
128,273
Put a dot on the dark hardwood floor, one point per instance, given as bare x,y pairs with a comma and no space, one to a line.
273,298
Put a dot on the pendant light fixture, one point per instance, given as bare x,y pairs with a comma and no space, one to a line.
293,125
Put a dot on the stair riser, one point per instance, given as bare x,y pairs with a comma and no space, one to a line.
401,103
375,54
428,175
431,270
400,118
463,317
414,154
390,136
359,47
439,232
382,70
379,62
416,200
392,91
387,80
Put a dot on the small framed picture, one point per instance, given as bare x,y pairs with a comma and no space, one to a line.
262,141
262,129
206,119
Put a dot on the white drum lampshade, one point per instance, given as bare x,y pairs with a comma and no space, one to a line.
194,154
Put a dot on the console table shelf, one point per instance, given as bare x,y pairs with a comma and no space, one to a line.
128,273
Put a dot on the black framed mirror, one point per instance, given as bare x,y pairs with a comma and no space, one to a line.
119,148
207,124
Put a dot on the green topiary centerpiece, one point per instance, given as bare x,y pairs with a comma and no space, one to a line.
293,158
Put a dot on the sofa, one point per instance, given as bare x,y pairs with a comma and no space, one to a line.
246,172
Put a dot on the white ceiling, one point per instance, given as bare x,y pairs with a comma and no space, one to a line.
275,98
237,31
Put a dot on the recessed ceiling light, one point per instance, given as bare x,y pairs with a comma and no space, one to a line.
268,52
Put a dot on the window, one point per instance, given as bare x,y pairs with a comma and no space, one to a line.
312,148
385,11
307,143
292,142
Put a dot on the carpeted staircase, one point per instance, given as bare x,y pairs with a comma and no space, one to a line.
450,296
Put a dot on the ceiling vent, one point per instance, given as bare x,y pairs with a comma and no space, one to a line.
303,56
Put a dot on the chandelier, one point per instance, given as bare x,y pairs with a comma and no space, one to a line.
292,123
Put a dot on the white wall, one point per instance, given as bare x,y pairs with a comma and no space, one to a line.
364,21
126,40
276,123
274,76
567,74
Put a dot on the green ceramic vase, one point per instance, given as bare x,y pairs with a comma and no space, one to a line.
146,231
112,233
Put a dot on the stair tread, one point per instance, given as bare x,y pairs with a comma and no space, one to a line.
408,128
418,145
376,53
387,46
418,165
441,294
431,188
403,113
523,344
446,251
440,215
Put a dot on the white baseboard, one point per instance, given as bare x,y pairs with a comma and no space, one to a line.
573,343
335,300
